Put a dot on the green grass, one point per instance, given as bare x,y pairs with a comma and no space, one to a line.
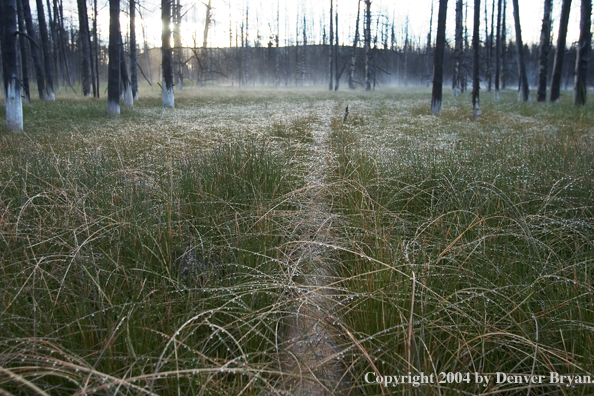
461,246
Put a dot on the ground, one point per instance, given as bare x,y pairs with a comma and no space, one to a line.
391,242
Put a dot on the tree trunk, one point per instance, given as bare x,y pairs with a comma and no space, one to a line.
96,44
177,52
490,49
428,72
457,50
304,53
12,88
207,24
487,53
63,41
504,46
113,82
331,51
583,54
133,60
49,80
438,58
524,93
476,112
125,81
336,74
498,51
367,38
560,53
83,22
405,53
34,49
355,43
167,57
545,48
24,52
53,26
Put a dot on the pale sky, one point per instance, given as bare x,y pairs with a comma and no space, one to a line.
262,19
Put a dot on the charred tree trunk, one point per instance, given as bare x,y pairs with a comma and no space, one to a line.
367,35
49,80
490,49
133,60
125,81
34,49
560,53
429,74
53,27
583,54
487,52
177,52
336,73
83,20
438,58
304,53
167,57
207,24
504,46
113,82
12,88
62,41
457,50
96,44
355,43
545,48
476,112
331,52
524,93
498,51
24,52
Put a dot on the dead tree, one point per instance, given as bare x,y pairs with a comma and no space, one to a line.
429,73
124,80
96,49
133,60
476,112
367,35
560,54
83,22
49,79
113,82
35,55
331,51
524,92
12,88
438,58
166,55
544,49
583,54
24,53
336,73
504,46
457,50
355,43
498,51
177,52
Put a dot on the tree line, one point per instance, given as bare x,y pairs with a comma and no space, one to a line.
59,55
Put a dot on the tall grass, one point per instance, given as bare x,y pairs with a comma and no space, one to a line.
458,246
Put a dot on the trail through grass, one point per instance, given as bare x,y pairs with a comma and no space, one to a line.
423,244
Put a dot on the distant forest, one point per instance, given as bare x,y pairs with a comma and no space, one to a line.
407,63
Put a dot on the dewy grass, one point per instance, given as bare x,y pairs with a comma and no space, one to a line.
460,246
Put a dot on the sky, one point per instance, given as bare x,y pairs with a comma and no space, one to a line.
262,19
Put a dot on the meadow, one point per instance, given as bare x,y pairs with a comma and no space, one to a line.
449,245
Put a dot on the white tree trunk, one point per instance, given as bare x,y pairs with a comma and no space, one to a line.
13,105
167,97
